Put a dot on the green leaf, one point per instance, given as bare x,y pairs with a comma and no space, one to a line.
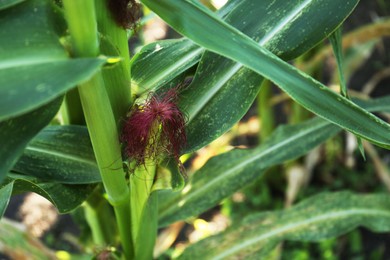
17,132
168,176
224,174
159,62
5,194
4,4
199,23
17,243
320,217
378,104
65,197
34,66
61,154
29,86
222,83
336,41
146,238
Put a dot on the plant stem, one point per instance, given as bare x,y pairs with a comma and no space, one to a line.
81,19
100,119
73,107
265,110
98,213
143,210
114,43
298,113
104,137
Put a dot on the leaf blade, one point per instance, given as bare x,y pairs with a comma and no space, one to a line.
299,86
159,62
64,197
224,174
60,154
34,67
320,217
5,195
17,132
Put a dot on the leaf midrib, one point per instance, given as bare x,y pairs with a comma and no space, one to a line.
62,155
296,225
237,66
164,73
22,62
232,170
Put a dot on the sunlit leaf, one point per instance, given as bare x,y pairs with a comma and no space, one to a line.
224,174
198,24
321,217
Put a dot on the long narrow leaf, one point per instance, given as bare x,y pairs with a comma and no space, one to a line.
224,174
34,66
15,133
61,154
7,3
159,62
5,195
64,197
199,24
321,217
222,83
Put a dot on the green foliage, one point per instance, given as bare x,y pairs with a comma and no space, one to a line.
198,23
220,63
227,173
7,3
224,174
64,197
60,154
5,194
315,219
151,67
34,66
17,132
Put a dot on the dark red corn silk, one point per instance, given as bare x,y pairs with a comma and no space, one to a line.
125,12
155,129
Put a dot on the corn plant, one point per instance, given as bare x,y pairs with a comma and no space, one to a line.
85,125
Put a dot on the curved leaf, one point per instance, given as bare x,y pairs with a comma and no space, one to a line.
18,243
321,217
34,66
5,194
224,174
8,3
17,132
64,197
27,87
159,62
198,24
222,83
380,104
61,154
